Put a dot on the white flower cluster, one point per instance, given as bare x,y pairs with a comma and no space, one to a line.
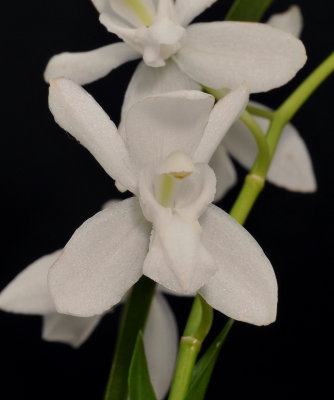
170,132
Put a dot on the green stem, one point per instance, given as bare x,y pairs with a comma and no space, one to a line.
263,158
260,112
198,326
133,320
250,191
200,319
254,183
294,102
188,352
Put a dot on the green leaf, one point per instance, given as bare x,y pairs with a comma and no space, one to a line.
247,10
140,387
133,320
204,367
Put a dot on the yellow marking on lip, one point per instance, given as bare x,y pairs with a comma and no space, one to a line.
166,190
180,174
141,11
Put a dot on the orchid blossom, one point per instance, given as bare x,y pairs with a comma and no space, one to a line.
28,294
291,167
176,56
169,231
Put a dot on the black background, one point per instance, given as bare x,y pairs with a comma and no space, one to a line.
51,185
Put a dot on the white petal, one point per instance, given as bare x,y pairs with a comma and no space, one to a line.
158,125
68,329
290,21
226,54
110,203
102,5
104,8
224,113
166,9
187,10
224,171
123,9
89,66
132,36
148,81
239,142
79,114
28,292
291,167
102,260
161,343
245,287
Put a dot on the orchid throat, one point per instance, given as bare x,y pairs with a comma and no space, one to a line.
175,168
139,9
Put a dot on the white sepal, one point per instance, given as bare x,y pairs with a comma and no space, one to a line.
226,54
68,329
187,10
161,80
79,114
102,260
289,21
89,66
28,293
161,343
245,287
124,10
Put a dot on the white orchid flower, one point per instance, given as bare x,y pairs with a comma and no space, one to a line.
162,159
28,294
217,54
291,167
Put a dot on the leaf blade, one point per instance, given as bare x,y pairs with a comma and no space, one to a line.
133,320
203,369
248,10
140,386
